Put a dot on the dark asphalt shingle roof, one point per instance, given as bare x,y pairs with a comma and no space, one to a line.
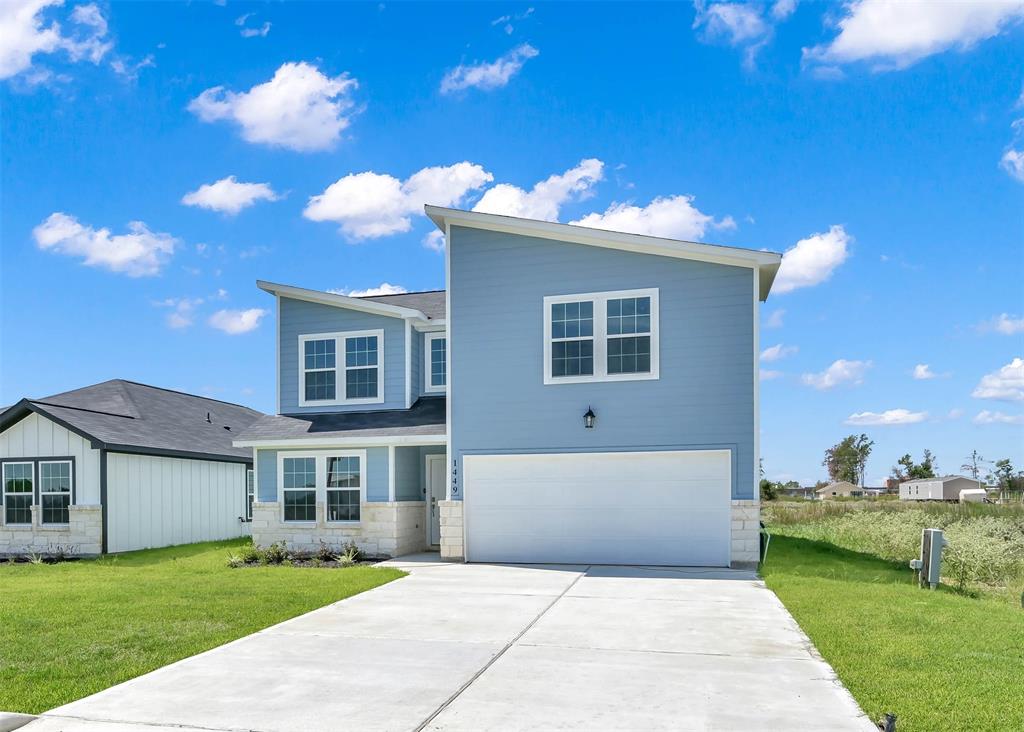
425,417
141,417
429,303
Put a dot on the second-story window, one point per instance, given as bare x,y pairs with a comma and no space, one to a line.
435,377
341,368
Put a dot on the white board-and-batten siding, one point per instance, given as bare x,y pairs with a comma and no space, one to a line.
38,437
161,501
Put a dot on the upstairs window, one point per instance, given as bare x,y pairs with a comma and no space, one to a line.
55,478
341,368
436,362
19,479
603,336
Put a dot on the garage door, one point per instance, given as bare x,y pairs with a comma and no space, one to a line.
669,508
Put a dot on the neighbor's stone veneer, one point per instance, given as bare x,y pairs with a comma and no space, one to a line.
384,529
82,536
746,532
452,547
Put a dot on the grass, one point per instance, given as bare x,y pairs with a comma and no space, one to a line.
937,659
69,630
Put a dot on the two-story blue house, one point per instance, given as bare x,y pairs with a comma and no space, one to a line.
574,395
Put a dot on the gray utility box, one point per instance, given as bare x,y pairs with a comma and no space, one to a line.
930,562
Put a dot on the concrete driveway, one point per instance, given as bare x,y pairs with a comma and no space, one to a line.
475,647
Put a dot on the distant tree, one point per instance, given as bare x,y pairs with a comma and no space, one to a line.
973,464
906,469
846,459
790,485
1004,475
769,490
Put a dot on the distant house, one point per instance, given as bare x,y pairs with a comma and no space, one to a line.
803,491
840,489
946,488
118,466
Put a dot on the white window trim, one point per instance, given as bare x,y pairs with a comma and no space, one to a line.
70,492
340,368
428,340
320,456
600,301
250,490
3,477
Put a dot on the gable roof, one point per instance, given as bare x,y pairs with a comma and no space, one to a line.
941,479
765,263
407,305
838,485
429,302
126,416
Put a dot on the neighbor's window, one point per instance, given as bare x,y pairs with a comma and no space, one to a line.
250,492
299,488
343,482
55,491
361,367
319,370
18,493
603,336
436,362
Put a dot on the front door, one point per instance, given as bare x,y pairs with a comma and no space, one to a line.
435,493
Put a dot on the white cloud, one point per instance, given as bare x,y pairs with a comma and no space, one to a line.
782,9
746,25
1013,163
775,319
543,201
384,288
434,241
768,374
888,417
840,372
24,34
673,217
126,69
778,352
1006,384
183,309
229,196
1005,324
894,35
987,417
506,20
923,371
370,205
138,253
247,32
235,322
811,261
299,108
485,75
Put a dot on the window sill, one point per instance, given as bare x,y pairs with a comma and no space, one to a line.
55,526
299,523
346,524
549,380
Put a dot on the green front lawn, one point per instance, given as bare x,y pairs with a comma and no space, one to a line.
69,630
937,659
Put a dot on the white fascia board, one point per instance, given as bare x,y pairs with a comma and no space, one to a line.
766,263
431,326
356,441
340,301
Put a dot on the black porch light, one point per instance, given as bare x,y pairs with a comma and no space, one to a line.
588,418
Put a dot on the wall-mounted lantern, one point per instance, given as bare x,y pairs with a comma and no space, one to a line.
588,419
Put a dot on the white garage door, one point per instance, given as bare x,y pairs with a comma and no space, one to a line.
668,508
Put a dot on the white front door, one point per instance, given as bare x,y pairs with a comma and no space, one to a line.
667,508
435,493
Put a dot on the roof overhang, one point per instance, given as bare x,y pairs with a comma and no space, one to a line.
346,441
17,412
341,301
766,264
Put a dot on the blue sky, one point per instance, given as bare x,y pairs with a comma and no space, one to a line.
874,144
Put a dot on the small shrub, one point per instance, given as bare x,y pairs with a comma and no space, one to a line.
324,553
251,554
350,555
235,561
33,557
276,553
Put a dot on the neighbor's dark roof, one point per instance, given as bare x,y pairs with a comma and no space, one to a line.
430,303
133,417
425,417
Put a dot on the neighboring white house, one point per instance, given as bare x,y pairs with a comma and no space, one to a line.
946,488
839,489
119,466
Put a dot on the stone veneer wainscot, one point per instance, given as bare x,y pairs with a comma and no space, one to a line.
81,536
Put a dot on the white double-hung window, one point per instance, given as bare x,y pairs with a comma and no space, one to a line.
19,482
601,336
341,368
55,478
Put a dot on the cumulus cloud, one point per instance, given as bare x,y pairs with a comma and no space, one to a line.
24,33
673,217
1005,384
1005,324
895,35
923,371
370,205
182,313
888,417
488,75
812,261
235,322
434,241
251,32
299,108
839,373
229,196
778,352
774,320
384,288
546,198
746,25
138,253
988,417
1013,163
